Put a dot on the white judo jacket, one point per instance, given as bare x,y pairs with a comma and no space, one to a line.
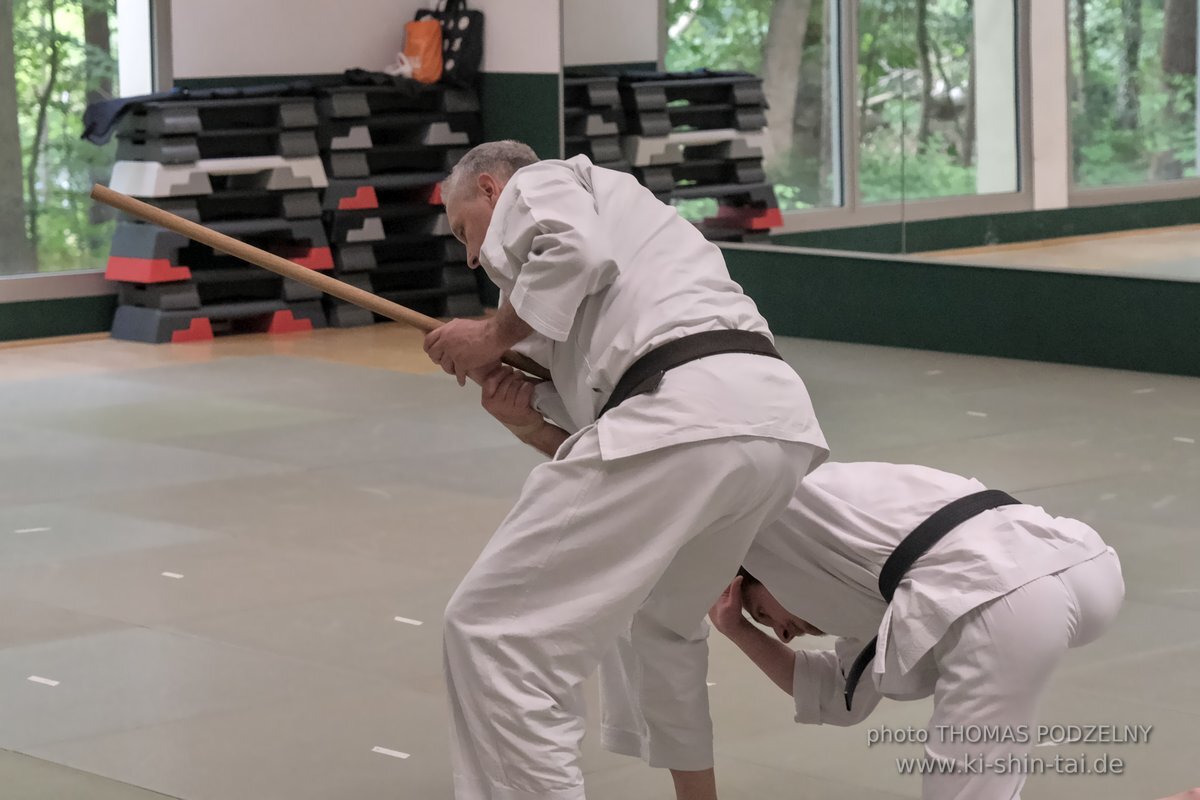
604,272
822,558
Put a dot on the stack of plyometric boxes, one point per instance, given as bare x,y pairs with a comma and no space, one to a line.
247,167
386,149
593,120
697,136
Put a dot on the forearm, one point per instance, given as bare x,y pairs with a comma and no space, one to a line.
545,438
506,328
774,658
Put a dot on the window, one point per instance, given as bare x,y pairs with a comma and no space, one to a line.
936,99
801,84
59,56
932,92
1133,93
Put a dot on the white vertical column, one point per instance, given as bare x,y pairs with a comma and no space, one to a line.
995,97
1050,108
135,72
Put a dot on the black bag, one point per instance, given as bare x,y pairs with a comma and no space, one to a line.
462,41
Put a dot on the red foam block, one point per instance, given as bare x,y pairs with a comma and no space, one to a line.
144,270
747,219
365,197
318,258
285,322
198,331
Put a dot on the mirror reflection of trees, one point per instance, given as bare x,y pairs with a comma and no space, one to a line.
1133,95
915,104
61,56
761,36
926,99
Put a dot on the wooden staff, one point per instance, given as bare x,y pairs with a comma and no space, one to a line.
288,269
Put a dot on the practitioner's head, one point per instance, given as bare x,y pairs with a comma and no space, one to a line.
474,187
762,606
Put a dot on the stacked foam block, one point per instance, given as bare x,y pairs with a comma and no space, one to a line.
695,136
593,120
386,149
247,167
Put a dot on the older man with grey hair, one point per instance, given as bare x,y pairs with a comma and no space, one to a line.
692,434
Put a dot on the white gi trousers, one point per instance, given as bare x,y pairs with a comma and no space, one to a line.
589,546
993,666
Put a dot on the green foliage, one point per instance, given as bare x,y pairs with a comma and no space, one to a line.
1163,144
887,173
71,233
718,34
731,34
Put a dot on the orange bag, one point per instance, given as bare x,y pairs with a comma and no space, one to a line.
423,49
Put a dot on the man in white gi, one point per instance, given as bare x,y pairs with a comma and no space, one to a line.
690,438
980,620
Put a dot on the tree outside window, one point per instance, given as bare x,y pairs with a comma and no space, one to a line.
57,56
1133,93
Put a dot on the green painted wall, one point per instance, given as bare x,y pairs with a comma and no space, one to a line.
589,70
62,317
1126,323
991,229
522,106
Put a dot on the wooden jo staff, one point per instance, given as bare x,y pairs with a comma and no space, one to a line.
288,269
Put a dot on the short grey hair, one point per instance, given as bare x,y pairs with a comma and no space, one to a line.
498,159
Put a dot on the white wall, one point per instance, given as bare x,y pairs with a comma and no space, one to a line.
521,35
228,38
1050,107
995,97
610,32
134,63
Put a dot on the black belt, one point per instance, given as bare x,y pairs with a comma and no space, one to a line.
644,375
915,545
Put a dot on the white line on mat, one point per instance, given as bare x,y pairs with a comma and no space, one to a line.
933,372
383,751
976,414
43,681
31,530
1142,391
408,621
710,683
1185,440
174,575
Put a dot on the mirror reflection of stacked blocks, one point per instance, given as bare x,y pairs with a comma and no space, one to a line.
594,120
247,167
699,136
386,150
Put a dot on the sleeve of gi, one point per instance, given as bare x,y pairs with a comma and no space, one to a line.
546,399
554,219
548,403
819,683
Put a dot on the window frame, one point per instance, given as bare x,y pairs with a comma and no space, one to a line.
34,286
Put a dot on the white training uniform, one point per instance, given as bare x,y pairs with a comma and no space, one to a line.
636,525
979,621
